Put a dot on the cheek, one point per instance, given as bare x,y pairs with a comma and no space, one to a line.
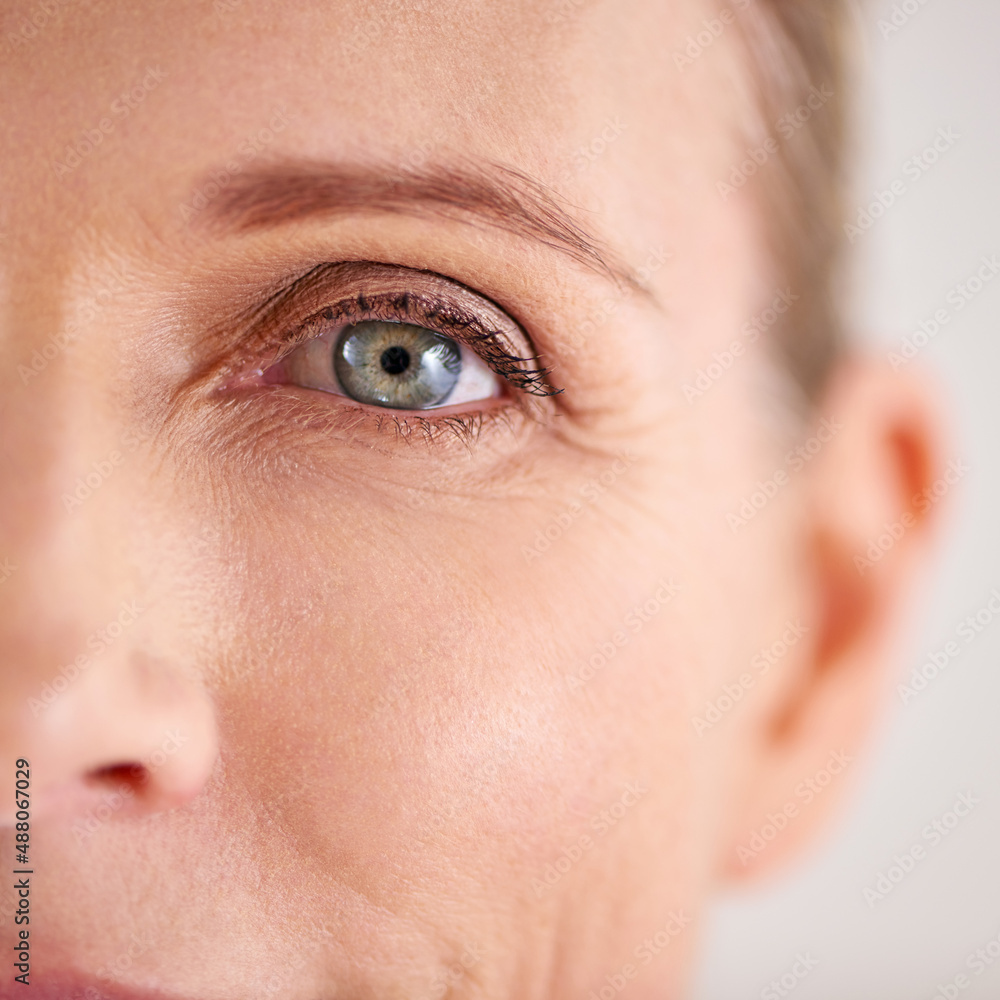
443,700
407,682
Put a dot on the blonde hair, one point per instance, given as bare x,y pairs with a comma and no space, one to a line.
798,47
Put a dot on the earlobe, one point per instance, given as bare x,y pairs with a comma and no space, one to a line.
872,498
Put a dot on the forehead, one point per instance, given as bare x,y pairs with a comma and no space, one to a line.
134,98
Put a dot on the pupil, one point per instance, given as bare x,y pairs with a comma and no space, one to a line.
395,360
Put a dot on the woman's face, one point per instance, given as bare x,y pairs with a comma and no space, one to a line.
324,694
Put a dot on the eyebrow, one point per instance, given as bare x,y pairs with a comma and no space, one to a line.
496,195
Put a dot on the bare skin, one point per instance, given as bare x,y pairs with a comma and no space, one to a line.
325,698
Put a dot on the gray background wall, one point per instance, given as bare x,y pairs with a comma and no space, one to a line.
941,69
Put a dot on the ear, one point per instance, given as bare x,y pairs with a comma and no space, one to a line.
871,500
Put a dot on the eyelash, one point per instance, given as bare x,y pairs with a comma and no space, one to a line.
527,377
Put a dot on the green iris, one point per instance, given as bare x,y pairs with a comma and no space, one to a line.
396,364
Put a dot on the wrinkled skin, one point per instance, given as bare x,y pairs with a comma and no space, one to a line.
352,733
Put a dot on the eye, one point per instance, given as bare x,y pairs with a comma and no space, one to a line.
396,365
398,338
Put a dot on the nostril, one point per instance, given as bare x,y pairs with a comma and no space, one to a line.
126,778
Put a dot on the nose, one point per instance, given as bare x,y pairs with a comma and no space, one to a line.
134,727
99,689
115,719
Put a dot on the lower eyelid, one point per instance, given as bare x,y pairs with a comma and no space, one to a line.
318,426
